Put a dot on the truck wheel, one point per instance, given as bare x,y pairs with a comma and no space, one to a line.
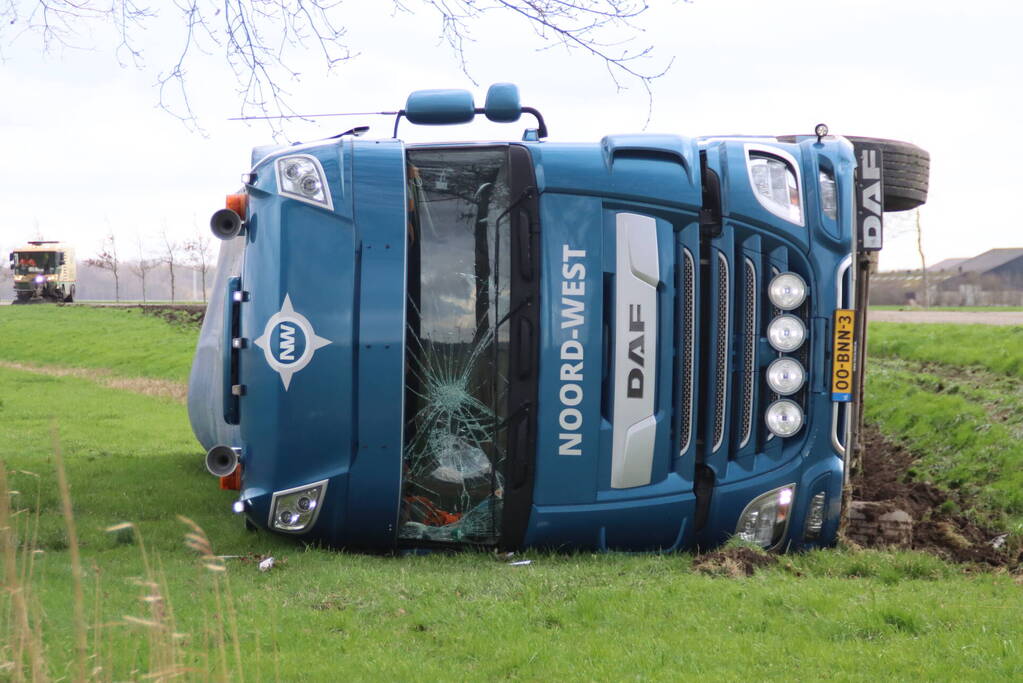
71,295
906,170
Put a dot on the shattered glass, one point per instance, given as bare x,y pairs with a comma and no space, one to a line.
457,341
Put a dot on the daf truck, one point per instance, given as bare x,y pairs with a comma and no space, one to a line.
645,343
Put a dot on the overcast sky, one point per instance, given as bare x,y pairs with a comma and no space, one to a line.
86,150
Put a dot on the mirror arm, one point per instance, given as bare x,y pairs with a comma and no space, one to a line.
397,120
541,126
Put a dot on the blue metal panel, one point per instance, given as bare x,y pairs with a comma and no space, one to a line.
572,252
649,169
303,426
205,381
302,433
573,502
380,215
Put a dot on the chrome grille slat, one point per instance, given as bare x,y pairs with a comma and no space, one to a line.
749,332
721,354
688,343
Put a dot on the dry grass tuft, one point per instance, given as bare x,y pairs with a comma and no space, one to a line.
22,654
146,386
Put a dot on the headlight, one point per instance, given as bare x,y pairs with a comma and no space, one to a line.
766,518
786,333
787,291
300,176
784,418
295,510
40,279
829,197
785,376
776,187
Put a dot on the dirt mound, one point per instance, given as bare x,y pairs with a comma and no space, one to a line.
937,527
190,315
733,562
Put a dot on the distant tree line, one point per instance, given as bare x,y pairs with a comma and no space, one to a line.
154,269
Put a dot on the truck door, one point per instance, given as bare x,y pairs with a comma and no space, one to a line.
618,437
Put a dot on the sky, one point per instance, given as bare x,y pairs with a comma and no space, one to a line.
87,151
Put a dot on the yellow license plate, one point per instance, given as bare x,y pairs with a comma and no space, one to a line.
842,350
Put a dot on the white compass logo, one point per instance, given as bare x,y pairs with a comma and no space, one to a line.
289,342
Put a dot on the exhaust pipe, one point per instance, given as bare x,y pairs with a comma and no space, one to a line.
226,224
222,460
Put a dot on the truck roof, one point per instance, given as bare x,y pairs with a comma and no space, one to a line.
43,245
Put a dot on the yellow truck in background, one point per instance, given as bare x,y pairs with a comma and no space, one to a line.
43,271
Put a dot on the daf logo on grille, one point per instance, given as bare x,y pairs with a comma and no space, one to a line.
289,342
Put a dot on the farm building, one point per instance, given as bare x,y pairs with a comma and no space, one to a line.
994,278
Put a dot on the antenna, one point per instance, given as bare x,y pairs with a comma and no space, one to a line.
312,116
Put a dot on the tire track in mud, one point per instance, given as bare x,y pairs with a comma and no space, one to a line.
946,519
144,386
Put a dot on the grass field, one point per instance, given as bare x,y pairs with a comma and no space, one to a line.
999,309
124,342
321,615
954,394
989,347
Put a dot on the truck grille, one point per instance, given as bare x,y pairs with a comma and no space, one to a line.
721,353
749,339
687,344
722,311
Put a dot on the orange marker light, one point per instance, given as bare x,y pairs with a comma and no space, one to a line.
233,481
238,203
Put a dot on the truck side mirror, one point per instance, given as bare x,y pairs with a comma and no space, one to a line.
447,107
503,104
440,107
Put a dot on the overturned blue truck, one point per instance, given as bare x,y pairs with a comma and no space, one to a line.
650,342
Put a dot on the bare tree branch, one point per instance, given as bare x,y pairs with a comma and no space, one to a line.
199,252
260,39
142,266
107,260
169,256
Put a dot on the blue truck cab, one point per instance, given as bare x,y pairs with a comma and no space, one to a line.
650,342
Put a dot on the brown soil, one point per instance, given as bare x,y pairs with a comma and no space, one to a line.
884,478
734,562
180,314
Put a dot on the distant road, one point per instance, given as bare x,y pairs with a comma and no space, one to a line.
194,307
954,317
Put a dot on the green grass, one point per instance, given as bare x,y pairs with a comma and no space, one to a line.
966,430
992,309
123,341
323,615
953,394
998,349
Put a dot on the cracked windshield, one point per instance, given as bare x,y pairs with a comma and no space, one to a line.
457,340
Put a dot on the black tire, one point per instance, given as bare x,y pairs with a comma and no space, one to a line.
906,170
70,298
